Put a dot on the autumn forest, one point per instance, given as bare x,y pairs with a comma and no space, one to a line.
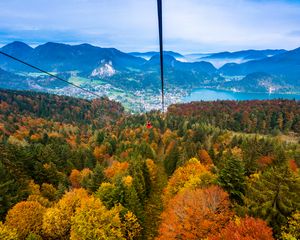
78,169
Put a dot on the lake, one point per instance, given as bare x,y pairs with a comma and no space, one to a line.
203,94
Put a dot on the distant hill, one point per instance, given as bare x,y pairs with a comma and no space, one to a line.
62,57
12,81
61,108
260,82
148,55
222,58
246,54
287,64
171,62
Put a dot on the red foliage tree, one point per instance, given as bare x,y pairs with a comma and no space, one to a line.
293,165
195,214
247,228
265,161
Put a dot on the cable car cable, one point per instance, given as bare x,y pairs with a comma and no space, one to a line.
159,13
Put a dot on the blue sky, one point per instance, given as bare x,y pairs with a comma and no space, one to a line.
131,25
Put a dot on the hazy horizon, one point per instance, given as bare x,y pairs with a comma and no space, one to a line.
155,50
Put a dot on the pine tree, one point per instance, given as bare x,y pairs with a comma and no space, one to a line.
274,196
132,201
93,181
141,182
171,159
232,178
98,176
100,137
12,182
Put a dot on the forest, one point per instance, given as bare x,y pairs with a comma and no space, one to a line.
86,169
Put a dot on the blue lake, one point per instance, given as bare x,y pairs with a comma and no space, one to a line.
203,94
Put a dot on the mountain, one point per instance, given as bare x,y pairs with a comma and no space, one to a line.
259,82
148,55
246,54
59,57
171,62
222,58
135,81
286,64
18,50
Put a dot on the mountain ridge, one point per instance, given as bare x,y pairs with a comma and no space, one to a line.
111,72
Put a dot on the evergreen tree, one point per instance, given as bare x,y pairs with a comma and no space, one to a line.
141,181
100,137
251,153
8,191
171,159
132,202
274,196
12,181
232,178
93,181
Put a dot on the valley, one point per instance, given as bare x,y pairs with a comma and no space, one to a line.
133,78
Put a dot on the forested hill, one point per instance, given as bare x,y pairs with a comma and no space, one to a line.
59,108
77,169
267,116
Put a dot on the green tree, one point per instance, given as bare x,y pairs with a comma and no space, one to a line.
100,137
109,194
93,180
274,196
171,159
131,198
232,178
12,183
141,178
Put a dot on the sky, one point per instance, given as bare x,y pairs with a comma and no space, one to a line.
190,26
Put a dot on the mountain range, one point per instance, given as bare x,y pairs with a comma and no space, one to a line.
91,66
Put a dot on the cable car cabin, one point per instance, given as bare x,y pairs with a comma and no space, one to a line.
149,125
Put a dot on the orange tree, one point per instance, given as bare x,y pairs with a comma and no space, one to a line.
247,228
195,214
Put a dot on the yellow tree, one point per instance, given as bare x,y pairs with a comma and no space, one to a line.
152,168
93,221
57,220
193,174
36,195
131,227
7,233
292,230
26,217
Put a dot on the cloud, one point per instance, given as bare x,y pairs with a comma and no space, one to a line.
131,25
295,33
